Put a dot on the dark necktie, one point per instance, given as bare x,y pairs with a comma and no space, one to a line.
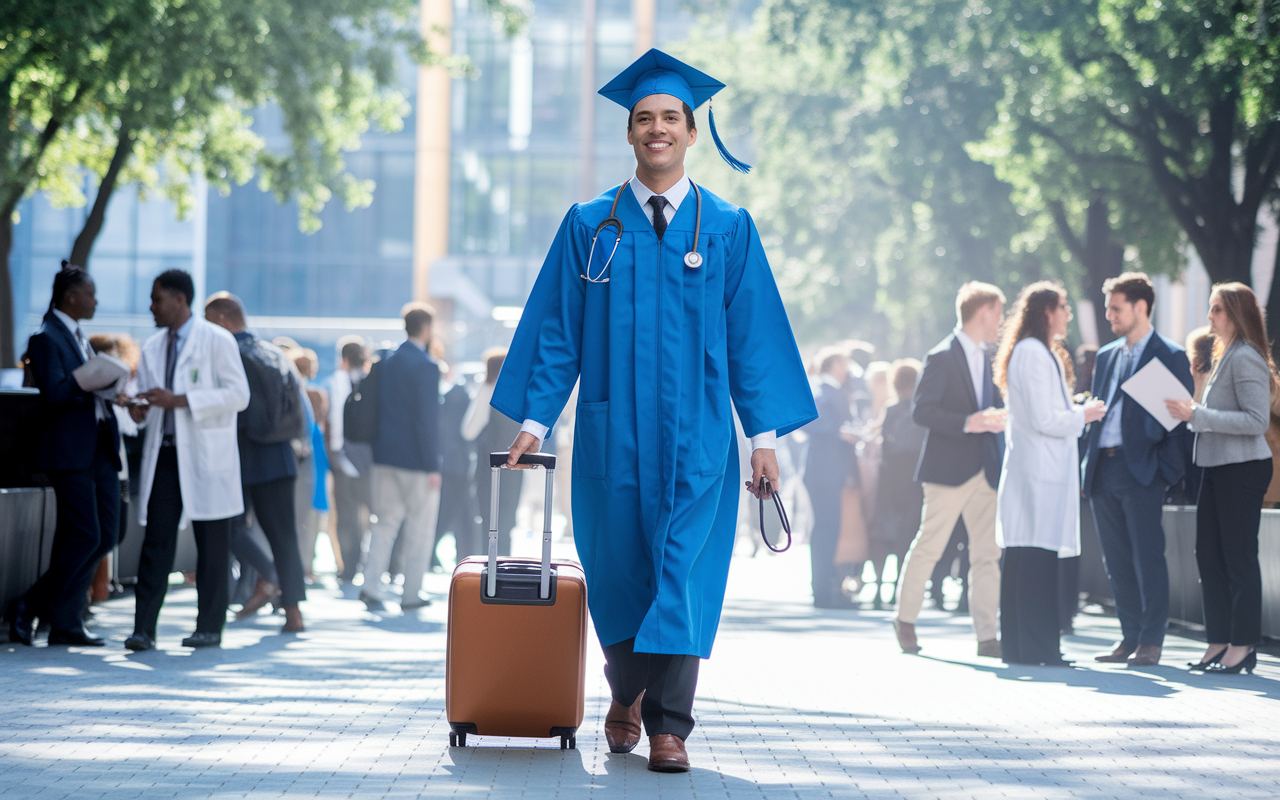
659,204
1124,360
170,363
988,397
99,409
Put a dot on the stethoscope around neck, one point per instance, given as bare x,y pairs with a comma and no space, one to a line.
692,259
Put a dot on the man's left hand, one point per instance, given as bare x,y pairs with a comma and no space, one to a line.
163,398
764,462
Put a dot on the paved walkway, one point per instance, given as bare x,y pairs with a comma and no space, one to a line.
794,704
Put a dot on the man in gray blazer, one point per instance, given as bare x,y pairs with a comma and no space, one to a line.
1129,461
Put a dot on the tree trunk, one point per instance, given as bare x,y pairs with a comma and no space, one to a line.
7,321
97,215
1100,257
1273,302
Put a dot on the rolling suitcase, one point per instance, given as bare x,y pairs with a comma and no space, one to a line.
516,658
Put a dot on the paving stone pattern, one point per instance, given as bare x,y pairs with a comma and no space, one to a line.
794,703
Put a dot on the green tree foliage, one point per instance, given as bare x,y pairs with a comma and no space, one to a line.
154,90
1111,132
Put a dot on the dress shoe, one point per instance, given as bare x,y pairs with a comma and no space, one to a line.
292,620
263,592
1249,663
80,637
1200,666
989,648
622,726
906,632
1147,655
1118,656
21,622
667,753
139,642
203,639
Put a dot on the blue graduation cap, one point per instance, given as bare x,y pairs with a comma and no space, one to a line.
655,72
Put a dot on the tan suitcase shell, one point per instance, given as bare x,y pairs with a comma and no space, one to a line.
516,670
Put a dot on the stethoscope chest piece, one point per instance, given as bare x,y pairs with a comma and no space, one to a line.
692,260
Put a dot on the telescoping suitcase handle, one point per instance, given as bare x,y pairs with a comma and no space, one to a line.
498,462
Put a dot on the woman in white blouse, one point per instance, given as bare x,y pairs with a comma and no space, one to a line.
1038,502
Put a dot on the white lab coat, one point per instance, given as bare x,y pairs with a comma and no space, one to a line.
209,372
1039,496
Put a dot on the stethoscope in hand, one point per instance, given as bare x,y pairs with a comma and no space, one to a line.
692,259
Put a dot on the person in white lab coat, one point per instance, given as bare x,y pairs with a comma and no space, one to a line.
194,385
1038,502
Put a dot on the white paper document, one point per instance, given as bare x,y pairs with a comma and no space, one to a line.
1151,386
104,375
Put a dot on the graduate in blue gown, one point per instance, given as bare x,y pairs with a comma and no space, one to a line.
662,341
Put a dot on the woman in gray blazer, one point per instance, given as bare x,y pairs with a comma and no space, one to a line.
1230,422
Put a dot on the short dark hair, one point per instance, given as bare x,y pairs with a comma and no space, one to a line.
353,352
68,278
688,116
177,280
1134,286
416,317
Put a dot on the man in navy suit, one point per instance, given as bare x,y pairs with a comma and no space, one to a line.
830,464
80,453
1129,461
406,461
961,410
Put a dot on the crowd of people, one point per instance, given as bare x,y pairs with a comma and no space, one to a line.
232,434
990,453
984,456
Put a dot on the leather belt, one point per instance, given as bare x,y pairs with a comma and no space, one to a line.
1109,451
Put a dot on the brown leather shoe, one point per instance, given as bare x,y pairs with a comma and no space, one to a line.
906,632
622,726
263,592
1147,655
1118,656
667,753
989,648
292,620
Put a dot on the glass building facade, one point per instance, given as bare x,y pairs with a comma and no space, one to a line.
517,164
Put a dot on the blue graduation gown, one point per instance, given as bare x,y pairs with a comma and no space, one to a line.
660,349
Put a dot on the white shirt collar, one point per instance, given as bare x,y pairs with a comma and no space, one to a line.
66,320
673,195
969,345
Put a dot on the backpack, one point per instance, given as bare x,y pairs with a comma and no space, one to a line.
275,412
360,411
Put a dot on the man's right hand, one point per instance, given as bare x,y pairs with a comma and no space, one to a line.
525,443
989,420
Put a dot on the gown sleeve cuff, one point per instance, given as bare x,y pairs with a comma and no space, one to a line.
765,441
536,428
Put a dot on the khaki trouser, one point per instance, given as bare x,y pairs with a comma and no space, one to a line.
975,500
401,496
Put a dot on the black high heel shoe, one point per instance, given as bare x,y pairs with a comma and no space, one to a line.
1248,663
1203,665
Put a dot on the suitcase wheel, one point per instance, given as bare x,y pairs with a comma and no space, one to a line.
457,739
568,742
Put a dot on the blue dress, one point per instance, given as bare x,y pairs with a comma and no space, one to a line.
660,350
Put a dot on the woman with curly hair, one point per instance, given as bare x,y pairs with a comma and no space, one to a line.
1038,502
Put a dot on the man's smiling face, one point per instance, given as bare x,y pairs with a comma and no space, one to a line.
660,134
